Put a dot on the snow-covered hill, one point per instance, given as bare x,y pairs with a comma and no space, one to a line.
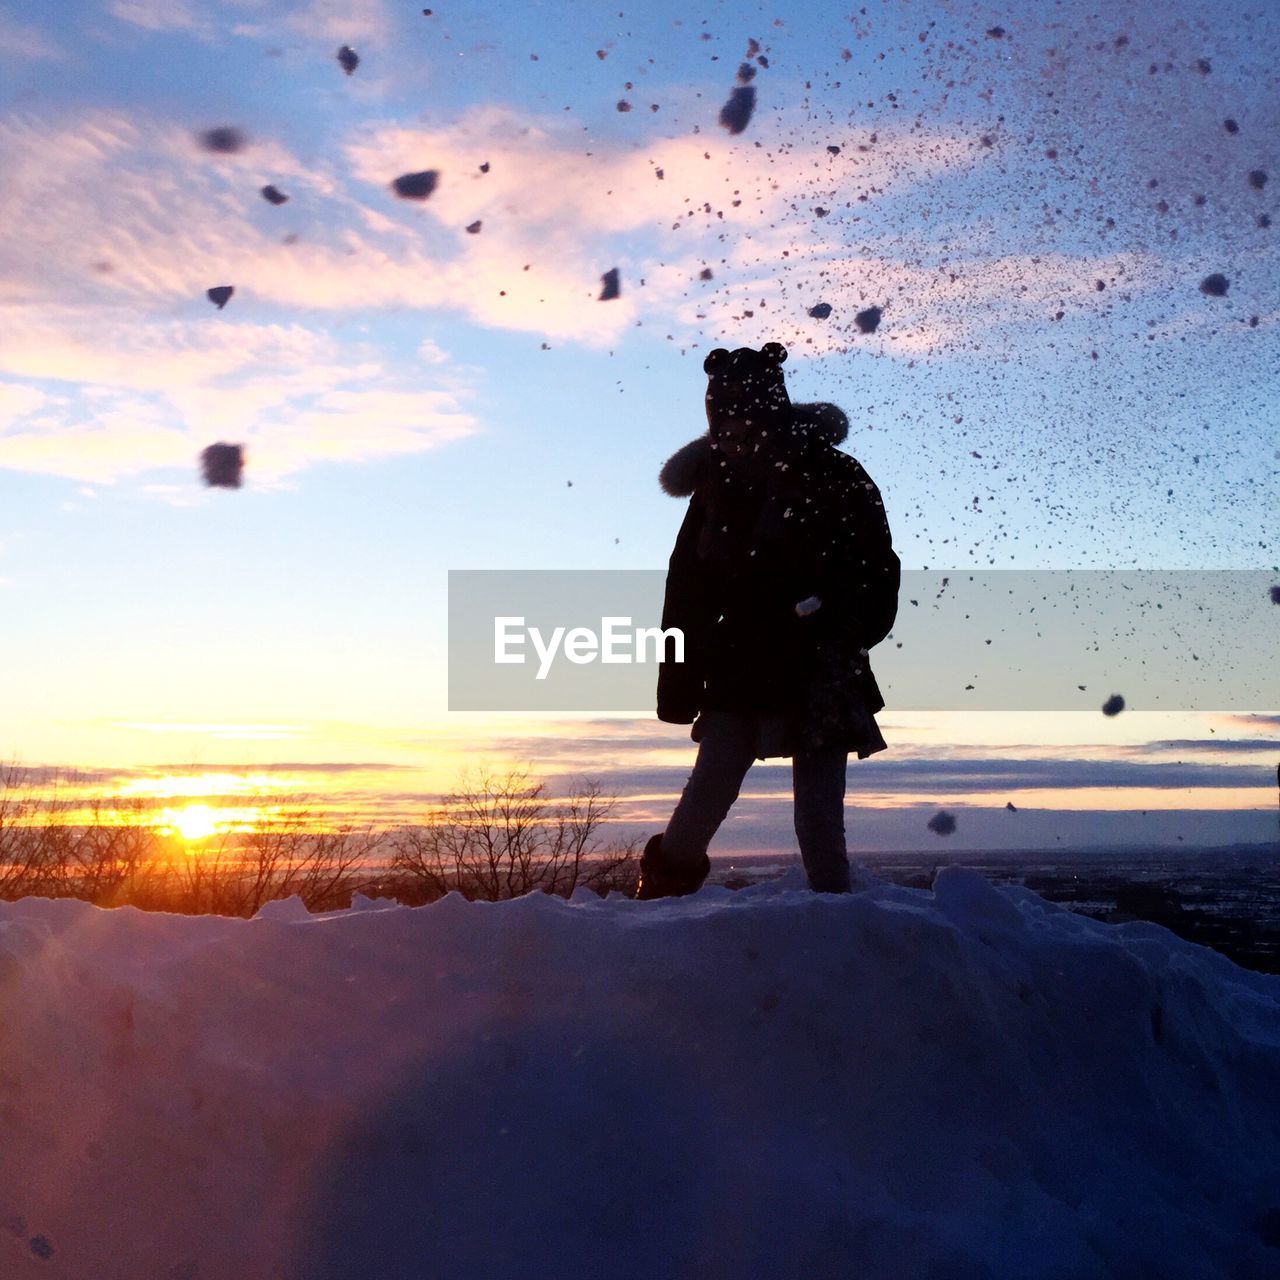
963,1083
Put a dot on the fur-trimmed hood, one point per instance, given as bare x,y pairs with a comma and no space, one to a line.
810,423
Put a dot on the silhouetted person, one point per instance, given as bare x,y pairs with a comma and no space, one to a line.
782,577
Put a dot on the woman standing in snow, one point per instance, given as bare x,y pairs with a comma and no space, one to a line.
782,578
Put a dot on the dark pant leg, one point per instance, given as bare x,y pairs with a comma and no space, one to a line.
725,753
819,779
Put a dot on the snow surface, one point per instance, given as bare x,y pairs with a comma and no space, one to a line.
968,1082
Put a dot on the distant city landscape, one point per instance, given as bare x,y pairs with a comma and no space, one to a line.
1227,898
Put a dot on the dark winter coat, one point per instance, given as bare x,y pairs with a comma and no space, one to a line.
757,538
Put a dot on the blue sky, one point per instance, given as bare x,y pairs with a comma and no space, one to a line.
412,399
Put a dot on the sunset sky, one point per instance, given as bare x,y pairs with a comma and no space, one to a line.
1033,194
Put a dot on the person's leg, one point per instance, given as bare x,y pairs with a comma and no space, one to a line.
725,753
818,778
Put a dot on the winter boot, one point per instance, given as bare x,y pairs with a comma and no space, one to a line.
660,880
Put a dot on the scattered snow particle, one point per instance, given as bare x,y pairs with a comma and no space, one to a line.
821,311
273,195
705,273
868,321
611,286
225,140
1275,595
623,105
735,115
416,186
348,59
223,466
995,33
1215,286
942,823
220,294
473,228
1257,179
1230,126
1113,706
41,1247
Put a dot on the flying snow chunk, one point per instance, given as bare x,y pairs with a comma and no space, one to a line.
223,465
705,273
473,228
942,823
220,294
348,59
1215,286
735,115
1113,706
821,311
416,186
868,321
610,286
1275,595
273,195
1257,179
225,140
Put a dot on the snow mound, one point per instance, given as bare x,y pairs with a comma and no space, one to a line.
968,1082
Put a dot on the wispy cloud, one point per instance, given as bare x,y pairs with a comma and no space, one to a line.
26,41
118,382
342,21
158,15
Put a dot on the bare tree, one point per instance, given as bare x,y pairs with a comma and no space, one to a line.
501,835
34,844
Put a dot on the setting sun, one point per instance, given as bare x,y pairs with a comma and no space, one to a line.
195,822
